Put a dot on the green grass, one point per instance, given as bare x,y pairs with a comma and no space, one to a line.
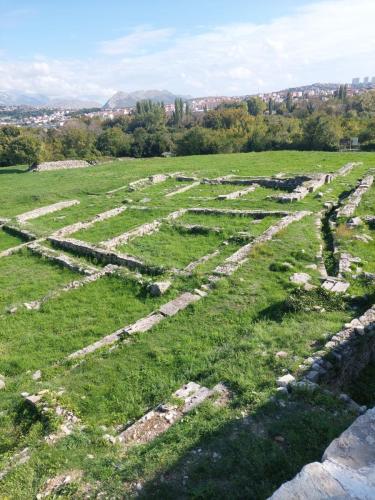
117,225
169,248
24,277
8,241
232,336
362,389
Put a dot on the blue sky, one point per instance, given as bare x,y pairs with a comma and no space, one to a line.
92,48
73,28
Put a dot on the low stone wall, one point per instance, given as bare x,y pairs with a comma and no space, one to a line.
185,299
306,187
102,255
238,194
61,259
346,470
144,229
24,234
38,212
348,209
73,285
345,354
78,226
182,190
256,214
233,262
60,165
160,419
287,183
345,169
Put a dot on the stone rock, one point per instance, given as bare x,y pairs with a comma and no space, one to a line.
37,375
159,288
282,390
176,305
281,354
285,380
354,222
2,384
314,267
306,385
300,278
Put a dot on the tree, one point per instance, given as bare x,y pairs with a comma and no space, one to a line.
270,106
289,102
24,149
178,113
113,142
78,143
256,106
322,132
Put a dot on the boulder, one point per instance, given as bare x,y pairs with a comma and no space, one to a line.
300,278
285,380
159,288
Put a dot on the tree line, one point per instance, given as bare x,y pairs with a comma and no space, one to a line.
251,125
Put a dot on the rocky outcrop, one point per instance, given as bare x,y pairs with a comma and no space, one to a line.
346,470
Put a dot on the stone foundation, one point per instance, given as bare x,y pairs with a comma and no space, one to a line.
60,165
348,209
346,354
38,212
102,255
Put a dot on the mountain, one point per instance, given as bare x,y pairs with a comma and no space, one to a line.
70,103
129,100
14,98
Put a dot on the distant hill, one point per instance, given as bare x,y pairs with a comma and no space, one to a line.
128,100
15,98
313,86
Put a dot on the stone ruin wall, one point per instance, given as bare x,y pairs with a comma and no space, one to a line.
60,165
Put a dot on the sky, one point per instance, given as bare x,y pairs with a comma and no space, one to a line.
93,48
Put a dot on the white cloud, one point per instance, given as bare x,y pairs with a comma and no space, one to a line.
140,40
330,40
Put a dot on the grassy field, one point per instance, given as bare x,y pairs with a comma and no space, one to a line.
245,449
